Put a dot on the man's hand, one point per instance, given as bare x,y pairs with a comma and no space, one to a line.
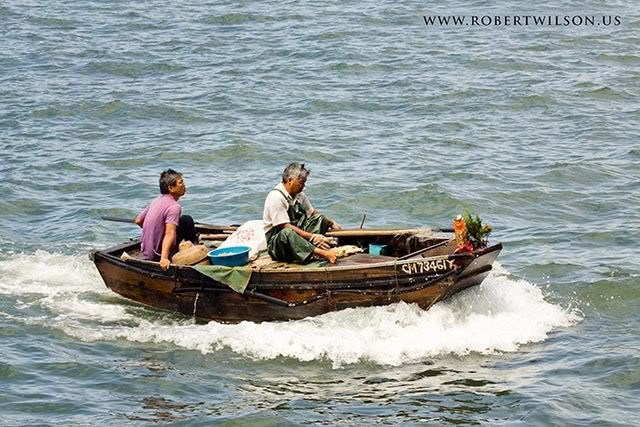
164,263
320,241
333,225
167,243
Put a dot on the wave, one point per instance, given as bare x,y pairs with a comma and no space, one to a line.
502,315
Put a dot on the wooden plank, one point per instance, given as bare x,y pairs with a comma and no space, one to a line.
371,232
220,236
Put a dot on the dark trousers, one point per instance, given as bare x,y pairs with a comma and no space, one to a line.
186,230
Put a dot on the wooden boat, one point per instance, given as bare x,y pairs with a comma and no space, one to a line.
420,267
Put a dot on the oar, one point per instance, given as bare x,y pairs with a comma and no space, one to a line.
118,219
224,228
359,232
363,232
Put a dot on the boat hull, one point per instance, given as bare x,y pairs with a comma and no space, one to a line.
293,294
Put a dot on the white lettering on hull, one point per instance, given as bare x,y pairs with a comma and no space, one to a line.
428,266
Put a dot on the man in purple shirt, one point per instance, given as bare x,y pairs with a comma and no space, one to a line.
163,226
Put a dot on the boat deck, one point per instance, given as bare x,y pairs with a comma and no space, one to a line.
264,261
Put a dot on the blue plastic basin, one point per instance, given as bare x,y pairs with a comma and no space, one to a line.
376,249
231,256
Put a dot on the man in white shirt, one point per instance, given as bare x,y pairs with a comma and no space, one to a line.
293,228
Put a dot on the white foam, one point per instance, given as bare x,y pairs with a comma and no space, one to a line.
501,315
65,286
46,273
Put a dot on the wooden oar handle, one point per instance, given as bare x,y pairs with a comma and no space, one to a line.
118,219
218,236
374,232
357,232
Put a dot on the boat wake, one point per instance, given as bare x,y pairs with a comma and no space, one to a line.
67,294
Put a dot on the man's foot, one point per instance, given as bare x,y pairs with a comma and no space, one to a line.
328,255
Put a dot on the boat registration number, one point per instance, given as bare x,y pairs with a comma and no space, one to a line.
426,266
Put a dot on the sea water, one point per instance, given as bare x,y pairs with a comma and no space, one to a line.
532,127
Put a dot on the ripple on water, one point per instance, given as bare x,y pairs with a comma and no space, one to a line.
534,128
132,69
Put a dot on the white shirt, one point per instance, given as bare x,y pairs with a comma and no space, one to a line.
276,206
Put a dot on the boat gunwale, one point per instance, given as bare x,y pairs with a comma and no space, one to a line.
108,252
206,283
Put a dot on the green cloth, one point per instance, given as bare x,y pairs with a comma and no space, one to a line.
236,278
288,246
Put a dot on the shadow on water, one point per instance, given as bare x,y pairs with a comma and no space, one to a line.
443,391
308,395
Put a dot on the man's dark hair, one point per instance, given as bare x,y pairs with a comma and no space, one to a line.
168,178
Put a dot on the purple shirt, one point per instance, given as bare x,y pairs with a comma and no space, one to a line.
162,210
